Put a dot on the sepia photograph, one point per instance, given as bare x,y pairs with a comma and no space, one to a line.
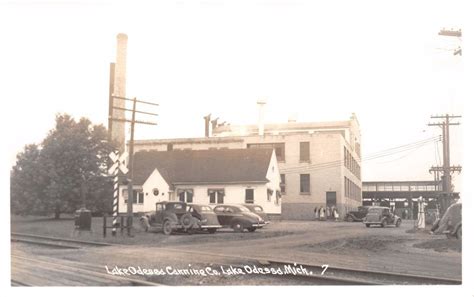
228,147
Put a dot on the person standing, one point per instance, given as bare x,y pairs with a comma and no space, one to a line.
336,214
316,213
322,212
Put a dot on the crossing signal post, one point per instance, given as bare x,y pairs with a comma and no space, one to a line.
132,122
118,164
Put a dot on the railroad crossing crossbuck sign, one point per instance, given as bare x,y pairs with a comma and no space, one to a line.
118,164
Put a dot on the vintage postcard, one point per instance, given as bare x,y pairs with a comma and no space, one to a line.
236,143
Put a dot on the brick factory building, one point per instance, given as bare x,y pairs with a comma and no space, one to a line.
319,162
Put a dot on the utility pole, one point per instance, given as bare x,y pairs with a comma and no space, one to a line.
452,33
132,122
446,169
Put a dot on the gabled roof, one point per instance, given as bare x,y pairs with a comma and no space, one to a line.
203,166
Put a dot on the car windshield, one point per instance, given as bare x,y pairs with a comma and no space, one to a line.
205,208
376,210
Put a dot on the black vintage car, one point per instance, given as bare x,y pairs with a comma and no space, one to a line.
179,216
257,209
238,217
358,215
382,216
204,218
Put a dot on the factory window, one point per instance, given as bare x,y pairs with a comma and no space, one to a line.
249,196
304,184
283,183
304,152
278,147
216,196
345,157
346,186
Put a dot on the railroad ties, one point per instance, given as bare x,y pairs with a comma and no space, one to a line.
41,271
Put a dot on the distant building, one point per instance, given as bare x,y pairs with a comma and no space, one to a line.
319,162
205,177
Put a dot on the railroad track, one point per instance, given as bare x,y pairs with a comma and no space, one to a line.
338,275
28,271
368,277
331,276
54,242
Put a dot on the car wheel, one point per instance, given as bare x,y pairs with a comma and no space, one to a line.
212,230
399,222
384,223
238,227
367,225
350,219
187,220
167,228
459,233
252,229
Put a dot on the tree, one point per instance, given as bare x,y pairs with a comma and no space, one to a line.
72,162
26,182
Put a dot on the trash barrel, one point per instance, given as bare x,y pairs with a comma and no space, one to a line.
83,219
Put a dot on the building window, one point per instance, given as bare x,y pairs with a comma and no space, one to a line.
138,197
125,195
304,184
283,183
278,147
304,152
269,194
345,157
345,186
216,196
186,195
249,197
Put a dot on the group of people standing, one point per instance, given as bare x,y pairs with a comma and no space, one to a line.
322,213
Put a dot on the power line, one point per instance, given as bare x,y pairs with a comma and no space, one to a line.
132,122
337,163
447,198
381,154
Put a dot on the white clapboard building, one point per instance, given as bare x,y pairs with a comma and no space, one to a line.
205,177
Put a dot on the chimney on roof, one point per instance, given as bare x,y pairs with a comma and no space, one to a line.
261,105
292,117
207,119
118,128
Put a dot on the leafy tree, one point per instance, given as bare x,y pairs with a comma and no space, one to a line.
72,162
27,184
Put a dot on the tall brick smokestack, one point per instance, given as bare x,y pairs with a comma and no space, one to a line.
118,128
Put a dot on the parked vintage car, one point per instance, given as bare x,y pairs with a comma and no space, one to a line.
382,216
451,222
204,218
179,216
357,215
257,209
238,217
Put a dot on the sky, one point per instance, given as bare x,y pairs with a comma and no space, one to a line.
318,60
